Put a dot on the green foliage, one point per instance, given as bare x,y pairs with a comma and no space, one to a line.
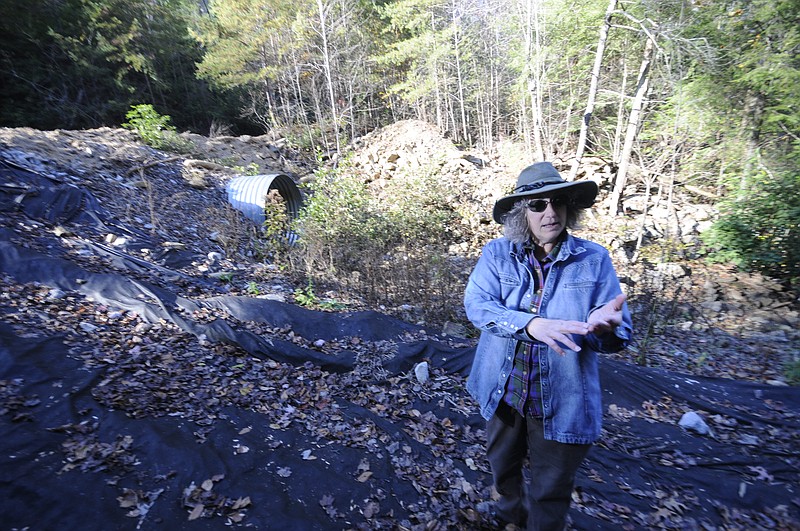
250,169
740,86
276,234
792,372
148,124
292,60
761,230
425,46
155,129
389,245
225,276
83,63
306,296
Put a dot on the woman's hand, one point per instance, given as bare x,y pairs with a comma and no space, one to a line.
608,317
554,332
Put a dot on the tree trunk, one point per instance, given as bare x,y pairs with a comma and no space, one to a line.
326,64
459,75
752,118
620,111
643,224
633,126
537,81
587,115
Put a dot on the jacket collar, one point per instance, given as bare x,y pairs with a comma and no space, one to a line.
569,246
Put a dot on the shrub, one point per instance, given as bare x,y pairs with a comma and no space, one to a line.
759,231
390,245
276,235
792,372
155,129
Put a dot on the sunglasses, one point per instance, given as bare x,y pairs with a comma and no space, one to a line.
540,205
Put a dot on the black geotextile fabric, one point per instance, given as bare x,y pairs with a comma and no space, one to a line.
644,462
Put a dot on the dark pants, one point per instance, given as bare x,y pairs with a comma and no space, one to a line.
544,504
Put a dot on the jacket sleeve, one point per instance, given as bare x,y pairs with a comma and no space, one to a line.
483,300
608,289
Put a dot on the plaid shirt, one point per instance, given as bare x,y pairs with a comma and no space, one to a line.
524,386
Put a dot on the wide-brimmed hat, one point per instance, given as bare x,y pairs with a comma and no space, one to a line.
542,179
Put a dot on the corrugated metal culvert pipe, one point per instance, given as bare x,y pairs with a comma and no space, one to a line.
246,194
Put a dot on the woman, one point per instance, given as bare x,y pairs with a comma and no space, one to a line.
546,303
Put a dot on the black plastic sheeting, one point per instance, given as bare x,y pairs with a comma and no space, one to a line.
637,457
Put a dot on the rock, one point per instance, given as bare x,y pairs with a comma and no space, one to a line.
88,327
691,421
421,372
454,330
142,328
273,297
673,270
55,294
749,440
62,232
714,306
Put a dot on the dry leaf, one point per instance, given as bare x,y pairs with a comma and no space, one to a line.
307,455
197,511
326,501
371,509
241,502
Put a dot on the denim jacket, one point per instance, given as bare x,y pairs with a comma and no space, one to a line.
497,300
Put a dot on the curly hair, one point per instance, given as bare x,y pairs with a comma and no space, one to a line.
515,224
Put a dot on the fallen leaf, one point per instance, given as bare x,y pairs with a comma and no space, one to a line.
675,506
197,511
128,499
241,502
326,500
761,473
371,509
307,455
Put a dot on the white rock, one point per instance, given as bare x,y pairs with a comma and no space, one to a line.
88,327
691,421
421,372
55,294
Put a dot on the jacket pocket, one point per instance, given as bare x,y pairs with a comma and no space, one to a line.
508,280
583,286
